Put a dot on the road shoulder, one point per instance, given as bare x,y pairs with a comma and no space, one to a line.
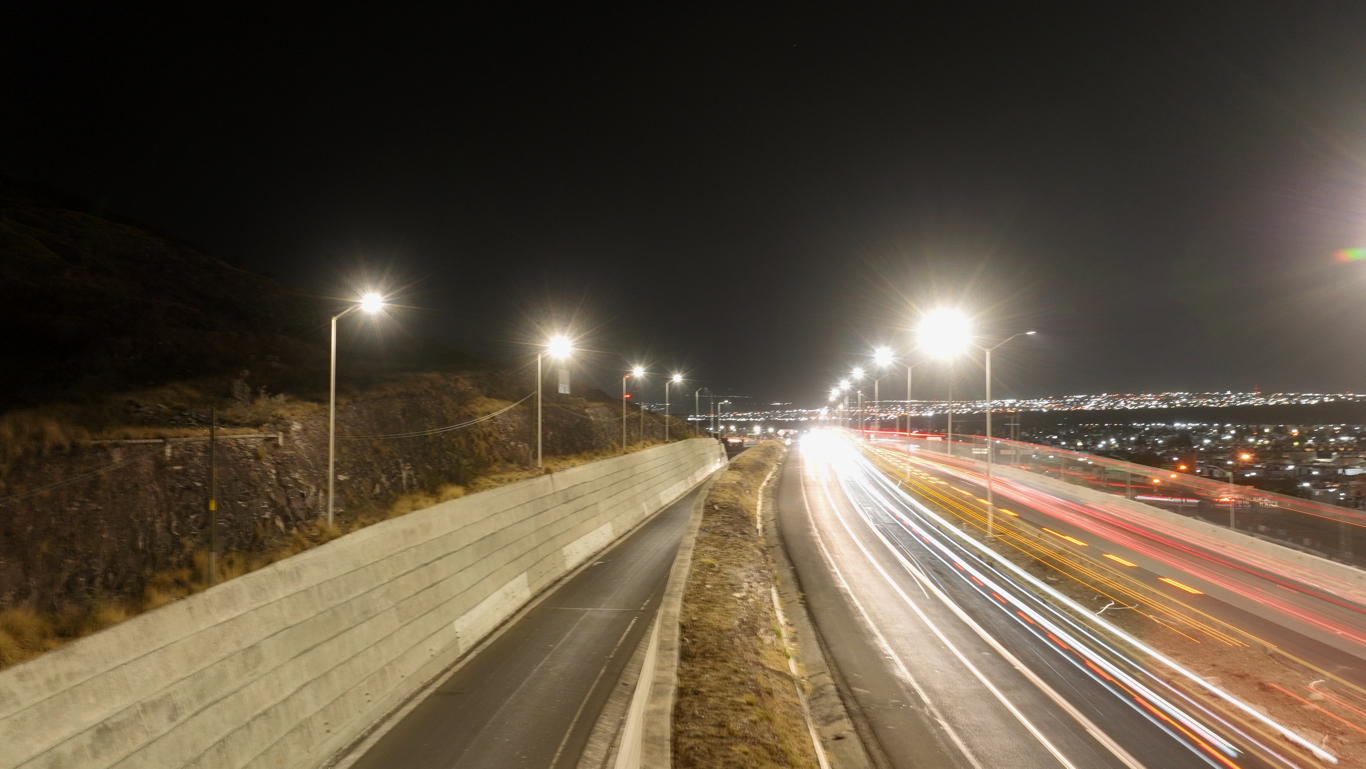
842,741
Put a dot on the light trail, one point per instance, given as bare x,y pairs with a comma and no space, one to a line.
892,497
996,692
1188,552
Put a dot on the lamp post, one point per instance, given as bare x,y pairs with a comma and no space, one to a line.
371,303
857,376
910,367
991,492
697,404
844,389
636,372
882,358
558,347
945,334
675,379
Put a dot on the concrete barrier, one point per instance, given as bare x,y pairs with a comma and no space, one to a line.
1347,581
289,664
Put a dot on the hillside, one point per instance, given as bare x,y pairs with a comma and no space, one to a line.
117,342
92,303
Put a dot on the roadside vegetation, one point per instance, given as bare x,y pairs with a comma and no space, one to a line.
26,632
737,701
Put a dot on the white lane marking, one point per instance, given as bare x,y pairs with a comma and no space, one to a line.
1109,744
1100,736
882,643
1137,644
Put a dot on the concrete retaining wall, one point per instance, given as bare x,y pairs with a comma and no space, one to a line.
287,665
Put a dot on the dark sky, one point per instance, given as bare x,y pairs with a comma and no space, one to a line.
753,196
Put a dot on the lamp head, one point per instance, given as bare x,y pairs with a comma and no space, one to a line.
857,373
638,371
944,333
559,346
677,378
882,357
1030,333
371,302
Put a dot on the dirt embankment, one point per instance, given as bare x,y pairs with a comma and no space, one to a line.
91,533
737,703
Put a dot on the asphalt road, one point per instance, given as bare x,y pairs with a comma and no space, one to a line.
532,696
951,669
1297,617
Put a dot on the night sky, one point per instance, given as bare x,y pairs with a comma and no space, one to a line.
754,197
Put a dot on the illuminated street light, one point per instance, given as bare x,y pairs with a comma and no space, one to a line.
558,347
675,379
882,358
945,334
857,376
991,492
697,404
637,372
370,303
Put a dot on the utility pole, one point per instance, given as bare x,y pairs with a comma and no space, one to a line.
213,496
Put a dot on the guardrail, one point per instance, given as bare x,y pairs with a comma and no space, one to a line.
1324,530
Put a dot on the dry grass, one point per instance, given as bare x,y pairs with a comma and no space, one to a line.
25,633
737,703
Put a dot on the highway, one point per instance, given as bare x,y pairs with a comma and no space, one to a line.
952,654
531,697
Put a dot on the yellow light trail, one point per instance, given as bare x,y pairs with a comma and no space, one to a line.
1186,588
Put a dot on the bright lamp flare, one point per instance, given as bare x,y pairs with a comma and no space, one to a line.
882,357
944,333
371,302
559,346
677,378
857,373
638,371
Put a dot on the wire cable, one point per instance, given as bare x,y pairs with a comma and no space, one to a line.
81,477
436,430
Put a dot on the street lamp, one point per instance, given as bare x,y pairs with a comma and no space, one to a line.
558,348
675,379
844,389
697,404
857,376
882,358
991,496
370,303
636,372
945,334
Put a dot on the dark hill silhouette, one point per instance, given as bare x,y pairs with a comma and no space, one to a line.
92,303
